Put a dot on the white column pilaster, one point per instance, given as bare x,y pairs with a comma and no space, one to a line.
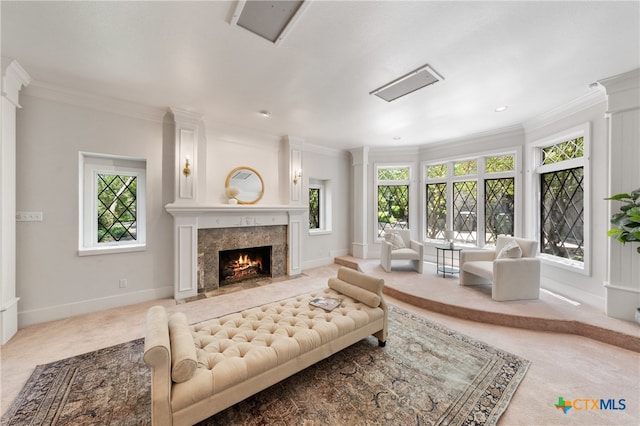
623,111
360,162
14,77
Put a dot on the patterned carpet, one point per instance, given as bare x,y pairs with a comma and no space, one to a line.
426,375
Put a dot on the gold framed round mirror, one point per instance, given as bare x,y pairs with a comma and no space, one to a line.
248,182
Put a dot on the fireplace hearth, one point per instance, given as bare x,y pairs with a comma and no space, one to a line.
243,264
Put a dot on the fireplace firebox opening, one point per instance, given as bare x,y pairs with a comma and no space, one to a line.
243,264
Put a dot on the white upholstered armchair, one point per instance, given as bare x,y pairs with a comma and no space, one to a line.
398,245
512,267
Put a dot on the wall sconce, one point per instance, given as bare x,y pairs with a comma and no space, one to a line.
186,171
297,176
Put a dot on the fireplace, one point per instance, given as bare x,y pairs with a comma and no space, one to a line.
202,231
219,251
244,264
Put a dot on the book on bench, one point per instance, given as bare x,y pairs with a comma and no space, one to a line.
326,303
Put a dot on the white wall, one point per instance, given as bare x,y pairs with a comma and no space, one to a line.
52,280
586,288
228,148
335,166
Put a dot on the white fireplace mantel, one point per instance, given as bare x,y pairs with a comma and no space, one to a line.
189,217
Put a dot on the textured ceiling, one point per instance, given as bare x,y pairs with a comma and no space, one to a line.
531,56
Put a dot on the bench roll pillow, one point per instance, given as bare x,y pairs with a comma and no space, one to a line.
183,351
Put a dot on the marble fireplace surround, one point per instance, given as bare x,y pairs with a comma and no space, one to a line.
212,241
189,218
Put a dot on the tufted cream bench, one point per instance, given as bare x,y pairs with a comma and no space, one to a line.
199,370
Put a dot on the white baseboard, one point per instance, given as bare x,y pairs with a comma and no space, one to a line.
309,264
315,263
51,313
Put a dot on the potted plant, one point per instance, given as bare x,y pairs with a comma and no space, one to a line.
627,221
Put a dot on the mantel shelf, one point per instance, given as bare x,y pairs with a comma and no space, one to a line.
183,209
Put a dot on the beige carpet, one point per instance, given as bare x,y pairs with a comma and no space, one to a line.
561,364
427,374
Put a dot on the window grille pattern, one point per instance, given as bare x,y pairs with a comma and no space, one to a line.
393,208
465,202
498,207
117,207
562,213
563,151
436,210
314,208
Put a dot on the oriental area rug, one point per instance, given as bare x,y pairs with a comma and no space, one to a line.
426,375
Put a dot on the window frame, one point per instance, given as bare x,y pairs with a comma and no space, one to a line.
537,169
325,197
90,165
399,182
480,177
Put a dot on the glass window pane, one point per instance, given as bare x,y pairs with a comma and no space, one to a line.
437,171
463,168
314,208
502,163
499,208
398,173
436,210
465,202
562,214
563,151
393,208
116,208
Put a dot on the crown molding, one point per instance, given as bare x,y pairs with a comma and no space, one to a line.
474,139
581,103
13,79
323,150
52,92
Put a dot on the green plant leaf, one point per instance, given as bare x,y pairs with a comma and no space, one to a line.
613,231
618,197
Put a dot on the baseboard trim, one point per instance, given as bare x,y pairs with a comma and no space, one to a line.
52,313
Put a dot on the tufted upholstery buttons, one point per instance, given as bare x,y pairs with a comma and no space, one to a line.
237,346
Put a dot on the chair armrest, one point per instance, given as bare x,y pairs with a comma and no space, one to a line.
419,247
470,255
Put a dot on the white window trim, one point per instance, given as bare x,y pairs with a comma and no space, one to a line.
90,164
378,182
533,225
325,206
479,177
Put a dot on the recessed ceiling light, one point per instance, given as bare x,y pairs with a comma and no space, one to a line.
396,138
501,108
264,113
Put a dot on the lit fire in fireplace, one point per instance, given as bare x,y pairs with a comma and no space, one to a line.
242,264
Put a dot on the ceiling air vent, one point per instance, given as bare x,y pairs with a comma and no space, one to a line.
268,19
408,83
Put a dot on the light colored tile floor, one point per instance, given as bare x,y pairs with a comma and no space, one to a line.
562,364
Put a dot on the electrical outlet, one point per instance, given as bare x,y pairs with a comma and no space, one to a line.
28,216
123,282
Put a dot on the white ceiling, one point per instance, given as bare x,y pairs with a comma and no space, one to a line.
531,56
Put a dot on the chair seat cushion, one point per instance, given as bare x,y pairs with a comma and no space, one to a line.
405,253
481,268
